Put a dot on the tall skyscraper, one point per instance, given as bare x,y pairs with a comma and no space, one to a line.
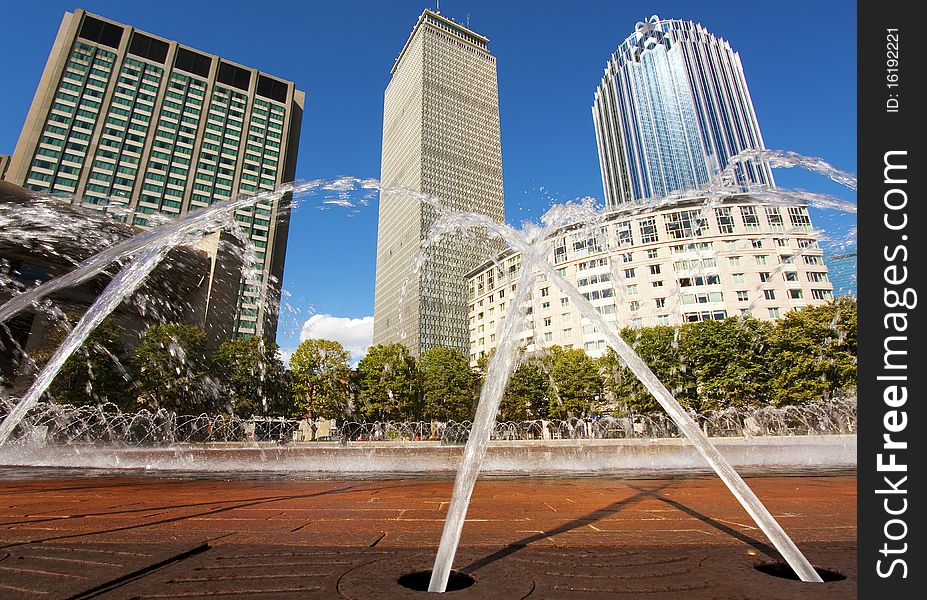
440,137
671,110
128,119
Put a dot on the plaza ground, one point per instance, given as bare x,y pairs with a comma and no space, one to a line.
74,535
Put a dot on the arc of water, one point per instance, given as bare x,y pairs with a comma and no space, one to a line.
497,378
124,284
739,488
207,219
535,257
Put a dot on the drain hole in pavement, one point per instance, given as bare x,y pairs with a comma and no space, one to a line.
783,570
419,580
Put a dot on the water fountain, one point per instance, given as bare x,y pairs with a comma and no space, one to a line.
532,242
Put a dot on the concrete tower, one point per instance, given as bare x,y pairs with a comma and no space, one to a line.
440,138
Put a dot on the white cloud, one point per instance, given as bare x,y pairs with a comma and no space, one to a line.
355,335
340,202
286,354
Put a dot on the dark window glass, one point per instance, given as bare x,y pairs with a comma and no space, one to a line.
192,62
148,47
234,76
271,88
102,32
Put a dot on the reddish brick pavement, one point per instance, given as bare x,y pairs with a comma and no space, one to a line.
134,537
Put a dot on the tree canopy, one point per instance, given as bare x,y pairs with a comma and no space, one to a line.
171,366
576,386
252,373
388,384
96,373
447,385
320,376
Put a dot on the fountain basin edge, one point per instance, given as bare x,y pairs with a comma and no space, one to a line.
664,456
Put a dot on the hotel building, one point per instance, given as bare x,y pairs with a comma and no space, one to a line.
131,123
678,264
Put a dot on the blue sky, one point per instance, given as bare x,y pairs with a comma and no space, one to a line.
799,58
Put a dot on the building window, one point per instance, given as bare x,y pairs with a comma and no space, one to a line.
742,296
817,277
798,215
769,294
654,269
773,313
751,220
653,253
796,294
659,302
624,234
725,219
774,217
686,223
648,229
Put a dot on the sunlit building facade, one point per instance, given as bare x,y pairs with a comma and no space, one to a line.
671,110
680,263
441,138
134,124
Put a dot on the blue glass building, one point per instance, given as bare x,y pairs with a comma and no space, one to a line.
671,110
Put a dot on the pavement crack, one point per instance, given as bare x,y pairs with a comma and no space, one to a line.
378,540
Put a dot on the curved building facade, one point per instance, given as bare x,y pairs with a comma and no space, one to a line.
671,110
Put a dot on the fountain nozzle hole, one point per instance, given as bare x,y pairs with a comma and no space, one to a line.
784,571
419,580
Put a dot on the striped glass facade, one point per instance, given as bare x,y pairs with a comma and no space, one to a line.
671,110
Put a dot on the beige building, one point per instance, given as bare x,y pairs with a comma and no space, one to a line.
679,263
129,122
4,165
440,138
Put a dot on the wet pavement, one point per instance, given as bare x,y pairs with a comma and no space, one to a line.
155,537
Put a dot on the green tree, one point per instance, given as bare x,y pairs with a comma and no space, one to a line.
576,385
727,360
447,385
813,352
658,347
252,372
527,395
94,373
319,378
388,384
172,366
